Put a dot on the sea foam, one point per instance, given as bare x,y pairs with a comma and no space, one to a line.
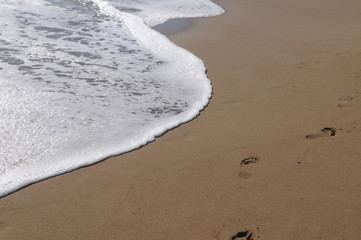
84,80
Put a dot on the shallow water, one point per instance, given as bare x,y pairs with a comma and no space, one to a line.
83,80
173,26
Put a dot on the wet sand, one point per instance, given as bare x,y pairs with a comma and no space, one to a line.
275,155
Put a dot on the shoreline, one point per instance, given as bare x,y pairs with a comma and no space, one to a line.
280,72
173,26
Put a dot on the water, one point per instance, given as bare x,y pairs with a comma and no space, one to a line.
173,26
83,80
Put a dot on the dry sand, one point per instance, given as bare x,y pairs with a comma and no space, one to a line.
281,70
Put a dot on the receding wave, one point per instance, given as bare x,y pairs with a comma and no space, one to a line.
84,80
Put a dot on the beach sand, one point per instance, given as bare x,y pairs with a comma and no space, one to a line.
255,160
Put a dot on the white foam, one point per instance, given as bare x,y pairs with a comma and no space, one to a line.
159,11
82,81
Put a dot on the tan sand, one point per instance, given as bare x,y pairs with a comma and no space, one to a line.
281,70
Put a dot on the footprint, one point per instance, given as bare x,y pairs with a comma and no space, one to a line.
245,235
357,75
305,64
343,102
252,159
249,160
325,132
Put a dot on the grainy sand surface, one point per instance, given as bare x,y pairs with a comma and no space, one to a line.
276,153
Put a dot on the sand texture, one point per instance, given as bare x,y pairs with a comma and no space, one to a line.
276,155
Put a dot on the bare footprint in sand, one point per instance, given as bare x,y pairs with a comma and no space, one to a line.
305,64
247,161
325,132
343,102
251,159
246,235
